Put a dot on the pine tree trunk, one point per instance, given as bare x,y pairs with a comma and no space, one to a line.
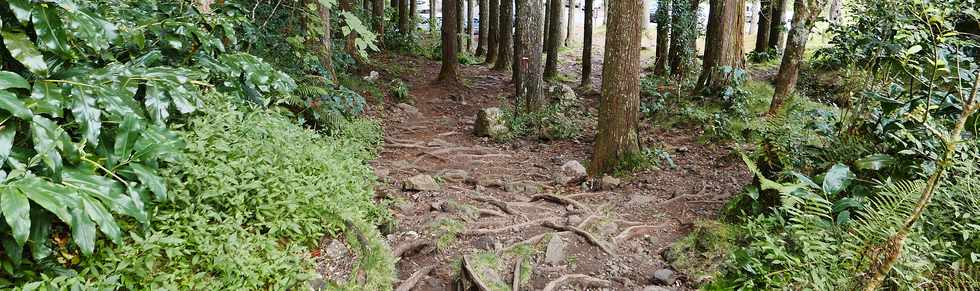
505,50
570,30
663,37
470,10
493,31
762,30
326,50
561,23
724,43
619,109
481,44
547,24
449,41
587,46
413,15
683,33
432,15
554,40
805,13
776,24
528,48
460,25
403,16
378,13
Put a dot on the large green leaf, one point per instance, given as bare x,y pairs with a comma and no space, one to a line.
22,10
96,33
47,137
40,233
47,97
50,30
106,190
50,196
836,179
157,104
12,80
16,211
149,178
874,162
83,231
7,134
24,51
156,142
16,107
102,217
126,136
87,115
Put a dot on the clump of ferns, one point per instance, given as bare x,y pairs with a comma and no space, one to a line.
320,104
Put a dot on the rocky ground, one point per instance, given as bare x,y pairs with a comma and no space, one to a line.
521,214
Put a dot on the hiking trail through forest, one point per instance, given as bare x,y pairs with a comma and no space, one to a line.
493,196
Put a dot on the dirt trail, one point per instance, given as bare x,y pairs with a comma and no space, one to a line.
499,194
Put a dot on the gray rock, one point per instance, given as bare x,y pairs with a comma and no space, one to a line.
570,171
421,183
336,250
664,276
527,187
574,219
490,122
609,228
555,254
563,94
455,175
316,283
656,288
609,182
484,243
381,173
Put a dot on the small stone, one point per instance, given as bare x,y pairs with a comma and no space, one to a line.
421,183
656,288
555,254
490,122
373,76
608,228
570,171
490,182
316,283
664,276
407,108
682,149
609,182
484,243
335,250
381,174
524,187
637,200
574,219
455,175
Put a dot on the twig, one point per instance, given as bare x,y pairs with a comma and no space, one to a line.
581,278
410,283
633,231
410,246
559,200
508,228
588,236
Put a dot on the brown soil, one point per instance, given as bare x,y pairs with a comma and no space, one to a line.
662,203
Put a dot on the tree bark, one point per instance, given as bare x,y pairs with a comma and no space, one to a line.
724,43
547,24
776,23
805,13
326,49
351,44
432,15
403,16
413,15
505,50
683,33
449,54
620,106
663,37
460,25
836,11
762,30
554,40
528,48
469,24
366,5
481,38
587,46
493,31
378,11
570,31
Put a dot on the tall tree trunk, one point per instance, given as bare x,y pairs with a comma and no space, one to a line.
481,44
805,13
570,31
413,15
619,109
587,46
663,37
528,48
725,42
351,44
505,50
547,24
449,53
432,15
493,31
683,33
460,15
762,32
469,24
366,5
776,23
378,10
403,16
326,50
554,40
561,23
836,11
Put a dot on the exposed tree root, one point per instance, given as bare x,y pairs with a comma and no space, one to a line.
411,246
488,212
508,228
560,200
704,186
468,275
584,194
580,278
628,223
516,286
634,231
410,283
499,204
588,236
588,220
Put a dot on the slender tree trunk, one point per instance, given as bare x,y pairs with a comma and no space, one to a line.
469,24
505,51
725,42
776,25
378,11
762,31
554,40
493,31
836,11
481,44
449,58
683,33
561,23
620,106
413,15
460,24
547,24
663,37
351,45
587,46
326,49
403,16
432,15
366,5
570,31
805,13
529,47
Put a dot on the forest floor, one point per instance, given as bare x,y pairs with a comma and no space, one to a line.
494,196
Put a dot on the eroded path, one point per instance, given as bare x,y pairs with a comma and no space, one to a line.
497,208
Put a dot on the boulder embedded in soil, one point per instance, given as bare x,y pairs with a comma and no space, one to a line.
664,276
609,182
555,254
490,122
570,171
421,183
